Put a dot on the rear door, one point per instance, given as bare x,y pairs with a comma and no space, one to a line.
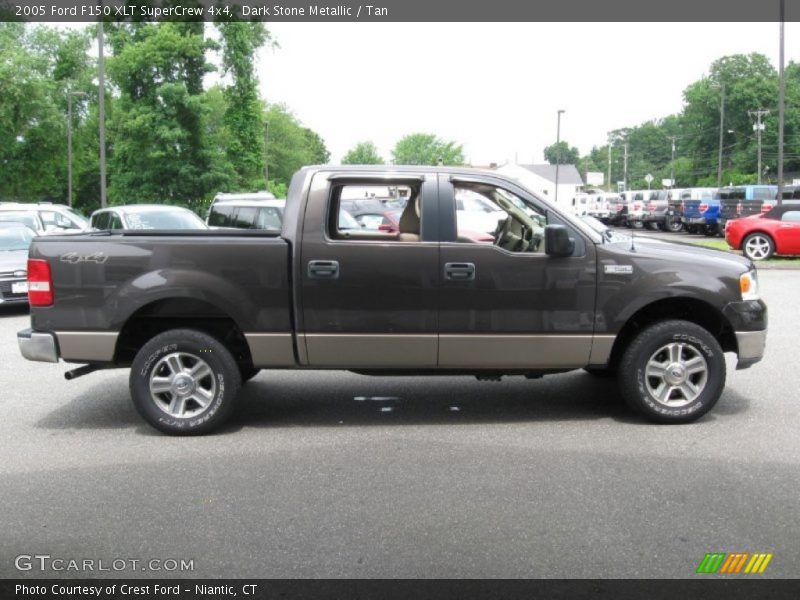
369,297
506,304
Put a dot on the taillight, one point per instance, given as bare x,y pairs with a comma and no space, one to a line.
637,206
683,206
40,283
619,207
651,207
703,207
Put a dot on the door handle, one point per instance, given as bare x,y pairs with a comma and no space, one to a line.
459,271
323,269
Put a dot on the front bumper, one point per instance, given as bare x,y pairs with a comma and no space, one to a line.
694,220
38,346
751,347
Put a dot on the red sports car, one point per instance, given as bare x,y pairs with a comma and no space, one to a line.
760,236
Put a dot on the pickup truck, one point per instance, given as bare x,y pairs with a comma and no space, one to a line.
701,216
195,314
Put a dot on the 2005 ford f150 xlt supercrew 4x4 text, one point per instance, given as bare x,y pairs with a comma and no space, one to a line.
195,314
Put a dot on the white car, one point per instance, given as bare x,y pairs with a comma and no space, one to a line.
146,216
475,213
45,218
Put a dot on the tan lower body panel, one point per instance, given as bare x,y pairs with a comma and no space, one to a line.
89,346
271,349
514,351
601,349
371,350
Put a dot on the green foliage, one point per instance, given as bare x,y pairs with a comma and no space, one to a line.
427,149
561,153
364,153
291,145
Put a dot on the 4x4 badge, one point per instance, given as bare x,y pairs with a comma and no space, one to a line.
74,258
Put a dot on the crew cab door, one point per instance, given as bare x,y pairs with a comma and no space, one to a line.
368,297
504,303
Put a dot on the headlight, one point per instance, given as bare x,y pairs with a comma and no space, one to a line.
748,285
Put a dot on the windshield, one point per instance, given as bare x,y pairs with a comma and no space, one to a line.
78,218
16,238
26,219
162,219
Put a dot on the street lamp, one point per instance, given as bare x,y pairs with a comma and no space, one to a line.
558,149
69,143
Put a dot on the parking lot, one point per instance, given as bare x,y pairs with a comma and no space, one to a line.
325,474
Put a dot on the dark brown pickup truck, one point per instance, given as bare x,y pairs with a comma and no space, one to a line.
196,314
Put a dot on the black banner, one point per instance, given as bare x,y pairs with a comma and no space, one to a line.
266,589
398,10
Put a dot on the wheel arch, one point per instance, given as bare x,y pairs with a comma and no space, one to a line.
687,308
180,312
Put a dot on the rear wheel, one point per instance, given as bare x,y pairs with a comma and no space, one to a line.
672,372
184,382
758,246
674,225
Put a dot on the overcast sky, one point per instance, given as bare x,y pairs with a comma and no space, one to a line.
495,87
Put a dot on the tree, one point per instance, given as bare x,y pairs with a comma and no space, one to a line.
427,149
291,145
243,115
568,156
364,153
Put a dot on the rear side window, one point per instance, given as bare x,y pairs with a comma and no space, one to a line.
220,216
269,218
362,211
100,220
245,217
114,222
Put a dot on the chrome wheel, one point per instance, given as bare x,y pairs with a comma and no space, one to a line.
182,385
676,374
757,247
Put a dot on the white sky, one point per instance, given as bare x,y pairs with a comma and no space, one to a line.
495,87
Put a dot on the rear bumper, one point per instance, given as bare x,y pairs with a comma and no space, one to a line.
751,347
38,346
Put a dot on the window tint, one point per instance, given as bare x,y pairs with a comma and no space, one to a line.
791,215
220,216
245,217
270,218
114,222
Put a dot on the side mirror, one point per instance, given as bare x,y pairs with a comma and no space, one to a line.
557,241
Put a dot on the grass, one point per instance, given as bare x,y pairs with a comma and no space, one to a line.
718,244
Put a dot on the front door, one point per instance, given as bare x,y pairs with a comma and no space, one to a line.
368,294
504,303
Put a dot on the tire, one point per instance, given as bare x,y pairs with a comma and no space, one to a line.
168,361
638,225
667,348
248,373
758,246
710,230
602,373
674,225
691,229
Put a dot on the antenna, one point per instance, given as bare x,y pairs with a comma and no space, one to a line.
633,245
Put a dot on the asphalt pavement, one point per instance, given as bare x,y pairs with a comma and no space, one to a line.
325,474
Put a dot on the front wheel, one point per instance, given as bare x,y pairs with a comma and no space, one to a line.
672,372
758,246
674,225
184,382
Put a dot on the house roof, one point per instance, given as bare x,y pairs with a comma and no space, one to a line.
567,174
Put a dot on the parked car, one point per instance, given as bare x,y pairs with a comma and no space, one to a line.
389,222
247,214
658,214
45,217
196,314
636,202
689,208
745,200
761,236
602,206
673,222
476,214
146,216
15,239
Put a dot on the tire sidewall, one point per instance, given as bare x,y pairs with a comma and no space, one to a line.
636,391
196,344
766,237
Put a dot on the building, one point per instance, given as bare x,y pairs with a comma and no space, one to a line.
541,179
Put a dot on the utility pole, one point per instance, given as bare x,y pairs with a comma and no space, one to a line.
558,150
625,169
758,127
781,106
721,133
609,165
672,163
101,110
69,143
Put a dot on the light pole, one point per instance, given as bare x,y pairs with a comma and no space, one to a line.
721,132
101,110
69,143
558,149
266,161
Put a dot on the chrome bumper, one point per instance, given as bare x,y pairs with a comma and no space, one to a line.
751,347
38,346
